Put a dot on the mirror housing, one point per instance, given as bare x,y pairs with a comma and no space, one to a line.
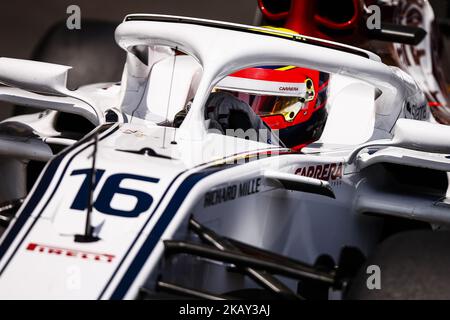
34,83
34,76
422,136
398,33
414,135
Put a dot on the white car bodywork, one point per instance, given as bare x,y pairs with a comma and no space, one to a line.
152,178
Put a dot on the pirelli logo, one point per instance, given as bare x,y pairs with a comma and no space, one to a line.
84,255
326,172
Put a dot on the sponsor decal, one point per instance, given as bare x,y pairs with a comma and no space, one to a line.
416,112
327,172
90,256
288,89
137,133
232,192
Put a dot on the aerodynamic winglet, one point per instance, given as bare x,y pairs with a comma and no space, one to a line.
298,183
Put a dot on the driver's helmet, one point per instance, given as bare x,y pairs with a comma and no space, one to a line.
288,99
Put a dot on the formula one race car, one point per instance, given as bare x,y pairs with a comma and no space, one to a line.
176,181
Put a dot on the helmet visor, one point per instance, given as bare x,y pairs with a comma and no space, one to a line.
270,105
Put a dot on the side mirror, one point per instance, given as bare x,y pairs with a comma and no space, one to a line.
34,76
422,136
398,33
43,85
414,135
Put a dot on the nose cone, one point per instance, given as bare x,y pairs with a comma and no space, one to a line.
128,190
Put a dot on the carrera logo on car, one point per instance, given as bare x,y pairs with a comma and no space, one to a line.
326,172
91,256
288,89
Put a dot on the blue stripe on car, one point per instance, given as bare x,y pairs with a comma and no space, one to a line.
156,233
139,234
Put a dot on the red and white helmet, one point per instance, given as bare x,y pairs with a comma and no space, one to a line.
288,99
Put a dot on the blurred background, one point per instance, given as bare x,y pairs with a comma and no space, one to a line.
26,24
